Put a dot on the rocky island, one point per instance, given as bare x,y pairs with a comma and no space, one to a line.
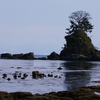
79,47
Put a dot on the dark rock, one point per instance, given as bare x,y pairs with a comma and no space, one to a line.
5,96
25,75
8,79
84,93
53,56
4,75
22,95
37,74
6,56
60,68
15,76
28,56
56,76
50,75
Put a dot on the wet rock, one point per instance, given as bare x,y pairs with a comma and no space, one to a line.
25,75
22,95
19,67
5,96
50,75
37,74
15,75
84,93
60,77
19,75
56,76
8,79
60,68
28,56
53,56
4,75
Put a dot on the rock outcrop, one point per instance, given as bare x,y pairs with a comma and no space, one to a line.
26,56
79,47
53,56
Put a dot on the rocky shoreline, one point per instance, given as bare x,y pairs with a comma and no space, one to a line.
83,93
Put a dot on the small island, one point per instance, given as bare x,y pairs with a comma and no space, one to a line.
78,44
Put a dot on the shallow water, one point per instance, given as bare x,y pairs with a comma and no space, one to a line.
73,75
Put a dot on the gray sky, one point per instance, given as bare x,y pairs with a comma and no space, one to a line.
39,25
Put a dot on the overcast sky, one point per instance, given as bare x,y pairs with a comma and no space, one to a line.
39,25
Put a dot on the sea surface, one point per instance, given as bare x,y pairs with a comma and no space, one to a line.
40,56
73,74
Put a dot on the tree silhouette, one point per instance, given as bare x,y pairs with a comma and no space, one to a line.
79,20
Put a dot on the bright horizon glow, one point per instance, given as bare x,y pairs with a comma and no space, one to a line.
39,26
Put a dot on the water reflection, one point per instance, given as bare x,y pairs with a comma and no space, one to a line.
78,65
78,74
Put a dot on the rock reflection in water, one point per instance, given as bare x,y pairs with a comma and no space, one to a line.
78,74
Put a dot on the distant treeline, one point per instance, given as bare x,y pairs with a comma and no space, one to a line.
27,56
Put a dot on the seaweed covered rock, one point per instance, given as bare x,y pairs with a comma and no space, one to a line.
79,47
21,95
82,93
5,96
85,93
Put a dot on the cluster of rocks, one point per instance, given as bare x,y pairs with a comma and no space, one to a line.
84,93
78,47
35,75
27,56
15,76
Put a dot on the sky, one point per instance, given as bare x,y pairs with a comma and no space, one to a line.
39,25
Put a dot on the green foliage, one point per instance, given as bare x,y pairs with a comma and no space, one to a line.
78,42
79,20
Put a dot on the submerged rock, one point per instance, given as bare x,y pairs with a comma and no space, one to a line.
5,96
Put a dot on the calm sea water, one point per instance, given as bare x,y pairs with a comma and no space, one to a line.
40,56
73,75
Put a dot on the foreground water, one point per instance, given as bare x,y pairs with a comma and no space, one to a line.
73,75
